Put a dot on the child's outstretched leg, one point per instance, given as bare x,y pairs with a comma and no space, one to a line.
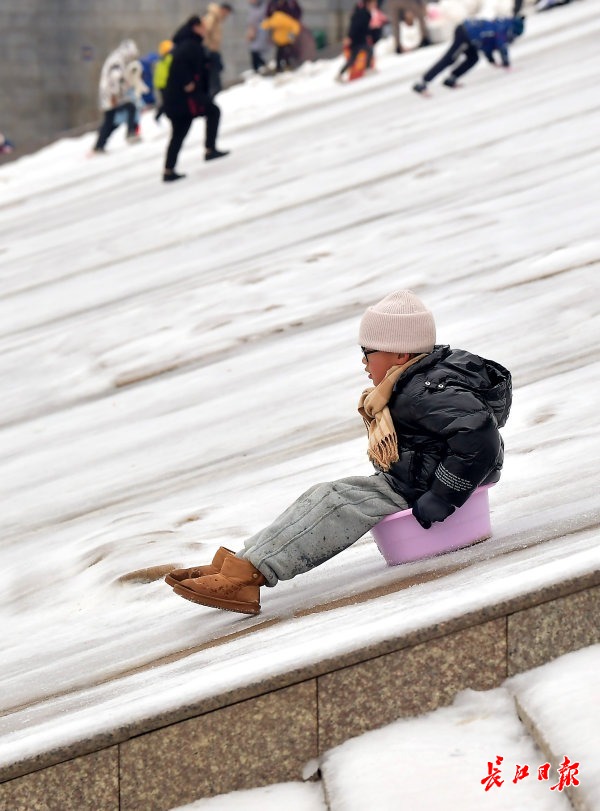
470,60
460,44
321,523
324,521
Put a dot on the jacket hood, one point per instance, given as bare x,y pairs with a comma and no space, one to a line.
186,31
128,50
488,380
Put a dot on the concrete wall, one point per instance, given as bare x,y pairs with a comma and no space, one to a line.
266,733
53,51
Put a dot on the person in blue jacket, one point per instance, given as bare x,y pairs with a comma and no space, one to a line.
471,37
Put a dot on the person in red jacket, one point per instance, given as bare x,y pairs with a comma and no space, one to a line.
432,417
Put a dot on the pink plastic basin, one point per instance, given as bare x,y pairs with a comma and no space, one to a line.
401,539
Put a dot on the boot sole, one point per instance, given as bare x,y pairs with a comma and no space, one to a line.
216,602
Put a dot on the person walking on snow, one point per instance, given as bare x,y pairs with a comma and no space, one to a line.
432,418
285,30
258,39
186,96
114,94
471,37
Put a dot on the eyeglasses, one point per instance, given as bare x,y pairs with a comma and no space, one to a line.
366,352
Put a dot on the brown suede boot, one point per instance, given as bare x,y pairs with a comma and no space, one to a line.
235,588
179,575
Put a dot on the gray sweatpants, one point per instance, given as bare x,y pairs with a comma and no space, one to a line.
325,520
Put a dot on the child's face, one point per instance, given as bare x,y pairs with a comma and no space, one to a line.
377,364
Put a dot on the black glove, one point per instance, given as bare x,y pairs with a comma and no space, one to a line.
428,509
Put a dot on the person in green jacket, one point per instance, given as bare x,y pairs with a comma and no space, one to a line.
161,74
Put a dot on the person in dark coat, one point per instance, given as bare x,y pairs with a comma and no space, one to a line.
359,35
472,36
432,417
290,7
186,96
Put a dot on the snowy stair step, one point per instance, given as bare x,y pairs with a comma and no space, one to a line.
560,705
473,755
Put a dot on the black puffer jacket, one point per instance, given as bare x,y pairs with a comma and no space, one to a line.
447,409
190,64
360,22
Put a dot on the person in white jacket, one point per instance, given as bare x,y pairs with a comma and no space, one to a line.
115,94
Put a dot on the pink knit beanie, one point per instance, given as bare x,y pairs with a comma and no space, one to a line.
398,323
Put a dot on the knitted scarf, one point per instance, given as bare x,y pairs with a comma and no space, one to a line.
373,408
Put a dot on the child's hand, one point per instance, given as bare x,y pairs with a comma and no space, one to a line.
429,508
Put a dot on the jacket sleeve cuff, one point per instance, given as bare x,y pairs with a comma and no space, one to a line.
451,487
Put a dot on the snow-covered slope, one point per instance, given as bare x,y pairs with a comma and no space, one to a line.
180,361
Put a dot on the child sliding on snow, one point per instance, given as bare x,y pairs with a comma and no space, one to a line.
471,37
432,420
359,36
